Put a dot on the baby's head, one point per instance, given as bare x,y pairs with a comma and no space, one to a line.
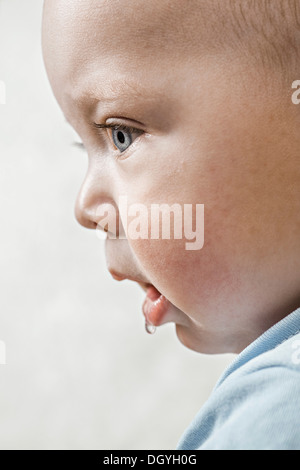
199,96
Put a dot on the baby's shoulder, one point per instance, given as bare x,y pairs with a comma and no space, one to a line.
285,356
264,395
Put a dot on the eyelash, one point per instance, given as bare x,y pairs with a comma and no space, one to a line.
121,127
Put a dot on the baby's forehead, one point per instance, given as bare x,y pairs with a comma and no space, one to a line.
130,34
112,39
115,25
123,27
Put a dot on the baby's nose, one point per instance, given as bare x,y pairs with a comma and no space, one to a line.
84,208
95,207
100,213
84,215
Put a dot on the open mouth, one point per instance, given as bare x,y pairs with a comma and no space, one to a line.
155,308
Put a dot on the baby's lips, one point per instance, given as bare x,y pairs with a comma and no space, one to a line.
153,293
117,277
156,307
121,277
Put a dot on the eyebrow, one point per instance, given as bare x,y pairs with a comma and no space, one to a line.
116,90
127,89
101,100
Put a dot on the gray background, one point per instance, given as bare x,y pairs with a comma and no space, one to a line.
81,371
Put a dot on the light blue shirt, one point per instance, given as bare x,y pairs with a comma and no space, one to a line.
256,403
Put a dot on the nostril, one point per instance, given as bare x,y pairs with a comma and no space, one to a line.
84,218
105,228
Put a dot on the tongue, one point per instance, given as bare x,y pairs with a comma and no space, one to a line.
153,293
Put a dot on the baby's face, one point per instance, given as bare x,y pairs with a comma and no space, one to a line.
206,130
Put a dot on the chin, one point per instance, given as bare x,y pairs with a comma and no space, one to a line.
187,338
200,342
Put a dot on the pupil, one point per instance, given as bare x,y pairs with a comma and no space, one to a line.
121,137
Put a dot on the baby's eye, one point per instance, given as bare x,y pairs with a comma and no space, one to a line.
122,136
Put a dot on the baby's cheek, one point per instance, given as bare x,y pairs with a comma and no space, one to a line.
190,278
167,265
185,277
194,280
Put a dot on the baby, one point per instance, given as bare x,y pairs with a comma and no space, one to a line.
188,102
